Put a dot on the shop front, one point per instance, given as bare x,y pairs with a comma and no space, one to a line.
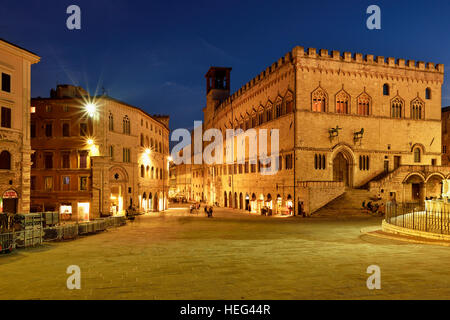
9,202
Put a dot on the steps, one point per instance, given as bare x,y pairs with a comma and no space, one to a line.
349,203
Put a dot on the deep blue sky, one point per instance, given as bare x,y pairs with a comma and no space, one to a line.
154,54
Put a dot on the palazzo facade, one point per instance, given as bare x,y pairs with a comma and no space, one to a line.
345,121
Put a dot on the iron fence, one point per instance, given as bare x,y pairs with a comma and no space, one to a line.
416,216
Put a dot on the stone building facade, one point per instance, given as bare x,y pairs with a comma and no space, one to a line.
15,150
97,155
345,121
446,136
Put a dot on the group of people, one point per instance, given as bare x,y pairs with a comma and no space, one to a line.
196,206
374,208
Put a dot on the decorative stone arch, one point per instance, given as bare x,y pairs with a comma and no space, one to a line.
319,94
343,162
118,174
342,98
411,174
434,174
418,145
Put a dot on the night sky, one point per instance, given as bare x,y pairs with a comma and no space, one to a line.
154,54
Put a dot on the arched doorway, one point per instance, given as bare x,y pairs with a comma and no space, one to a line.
235,200
247,202
230,200
241,201
341,169
413,188
155,202
225,204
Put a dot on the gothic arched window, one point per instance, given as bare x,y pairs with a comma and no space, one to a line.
342,102
417,109
111,122
363,105
5,160
126,125
319,100
397,108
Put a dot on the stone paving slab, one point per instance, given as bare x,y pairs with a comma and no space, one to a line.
231,256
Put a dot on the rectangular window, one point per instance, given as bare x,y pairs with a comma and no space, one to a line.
33,130
111,152
48,130
65,130
65,157
33,182
48,108
48,183
6,117
126,155
66,183
48,160
83,183
288,162
33,161
6,82
83,129
83,160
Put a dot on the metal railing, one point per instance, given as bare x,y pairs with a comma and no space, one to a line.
416,216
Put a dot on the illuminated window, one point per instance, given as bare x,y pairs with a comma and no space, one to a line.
364,105
342,102
319,100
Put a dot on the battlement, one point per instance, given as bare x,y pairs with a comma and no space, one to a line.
323,54
369,59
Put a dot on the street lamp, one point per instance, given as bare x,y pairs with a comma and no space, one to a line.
91,109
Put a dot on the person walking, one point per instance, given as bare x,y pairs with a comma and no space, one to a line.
210,212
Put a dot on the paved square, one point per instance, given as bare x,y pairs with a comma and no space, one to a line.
175,255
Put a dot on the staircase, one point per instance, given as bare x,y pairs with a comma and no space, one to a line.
350,203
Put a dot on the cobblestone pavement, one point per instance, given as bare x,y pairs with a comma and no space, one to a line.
231,256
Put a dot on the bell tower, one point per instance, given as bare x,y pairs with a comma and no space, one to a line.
217,89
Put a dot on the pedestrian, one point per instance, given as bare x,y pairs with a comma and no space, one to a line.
210,212
206,210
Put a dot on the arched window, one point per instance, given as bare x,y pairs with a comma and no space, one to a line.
397,108
364,105
319,100
160,149
289,102
269,112
126,125
5,160
261,116
385,89
417,155
147,171
161,174
428,93
342,102
417,109
278,108
146,142
153,173
151,142
142,171
111,122
142,140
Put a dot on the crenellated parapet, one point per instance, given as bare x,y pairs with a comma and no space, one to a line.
367,64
